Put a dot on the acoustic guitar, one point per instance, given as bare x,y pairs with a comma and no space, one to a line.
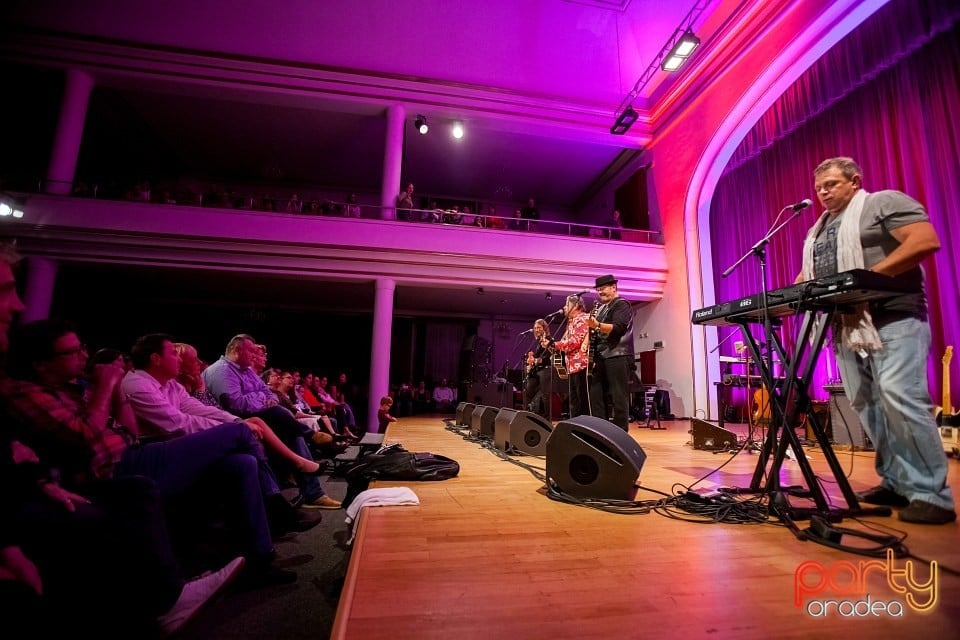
761,406
944,413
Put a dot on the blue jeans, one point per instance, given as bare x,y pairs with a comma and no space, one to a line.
889,391
230,451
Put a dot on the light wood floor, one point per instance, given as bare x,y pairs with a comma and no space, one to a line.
487,555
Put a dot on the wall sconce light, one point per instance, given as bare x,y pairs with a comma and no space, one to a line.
421,124
549,296
457,129
480,291
681,50
624,121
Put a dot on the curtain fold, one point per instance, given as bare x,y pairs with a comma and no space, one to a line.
892,108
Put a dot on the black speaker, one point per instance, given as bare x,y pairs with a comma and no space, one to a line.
481,423
465,413
501,429
589,457
529,433
711,437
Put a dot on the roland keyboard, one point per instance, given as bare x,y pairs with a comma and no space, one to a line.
846,288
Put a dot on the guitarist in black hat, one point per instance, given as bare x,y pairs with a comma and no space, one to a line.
612,336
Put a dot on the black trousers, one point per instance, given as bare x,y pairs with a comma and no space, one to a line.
579,401
611,380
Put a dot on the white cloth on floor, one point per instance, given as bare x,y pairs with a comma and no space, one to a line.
378,498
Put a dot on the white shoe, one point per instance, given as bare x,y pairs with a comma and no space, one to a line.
197,593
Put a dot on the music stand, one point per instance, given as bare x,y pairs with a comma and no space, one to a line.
791,400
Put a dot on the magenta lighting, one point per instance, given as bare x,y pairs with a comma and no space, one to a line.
421,124
681,50
457,129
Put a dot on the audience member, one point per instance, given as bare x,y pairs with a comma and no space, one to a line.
353,209
405,203
94,437
240,391
383,415
444,397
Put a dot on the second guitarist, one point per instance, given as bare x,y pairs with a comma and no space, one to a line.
613,333
572,345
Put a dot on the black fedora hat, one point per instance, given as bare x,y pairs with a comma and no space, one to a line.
605,280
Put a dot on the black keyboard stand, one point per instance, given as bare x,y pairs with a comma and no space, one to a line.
788,402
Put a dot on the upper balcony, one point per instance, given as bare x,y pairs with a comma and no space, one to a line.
442,260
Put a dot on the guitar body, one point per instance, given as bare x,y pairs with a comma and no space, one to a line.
560,364
593,340
761,406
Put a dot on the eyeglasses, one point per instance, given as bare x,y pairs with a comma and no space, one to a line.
72,352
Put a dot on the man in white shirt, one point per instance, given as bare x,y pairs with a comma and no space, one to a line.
444,397
163,407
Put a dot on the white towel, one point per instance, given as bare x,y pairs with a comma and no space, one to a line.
858,332
377,498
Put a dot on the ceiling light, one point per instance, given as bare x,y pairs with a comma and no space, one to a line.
681,50
421,124
457,129
624,121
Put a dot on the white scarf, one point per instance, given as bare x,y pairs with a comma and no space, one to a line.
858,332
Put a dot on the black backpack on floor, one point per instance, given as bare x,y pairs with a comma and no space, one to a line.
396,463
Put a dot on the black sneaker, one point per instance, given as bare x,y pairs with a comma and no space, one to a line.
263,574
881,495
927,513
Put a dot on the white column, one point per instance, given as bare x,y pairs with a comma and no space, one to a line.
66,144
380,348
392,161
38,291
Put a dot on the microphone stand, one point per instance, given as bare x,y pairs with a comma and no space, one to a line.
759,251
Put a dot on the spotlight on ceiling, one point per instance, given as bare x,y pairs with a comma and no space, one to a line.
624,121
457,129
681,51
421,124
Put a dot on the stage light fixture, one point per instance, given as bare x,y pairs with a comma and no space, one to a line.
11,209
421,124
681,50
548,296
480,291
624,121
457,129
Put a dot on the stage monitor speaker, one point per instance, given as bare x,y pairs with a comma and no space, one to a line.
711,437
481,423
529,433
465,413
501,429
589,457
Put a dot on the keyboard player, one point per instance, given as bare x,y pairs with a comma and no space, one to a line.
883,346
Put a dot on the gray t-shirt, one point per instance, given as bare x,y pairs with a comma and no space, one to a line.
883,211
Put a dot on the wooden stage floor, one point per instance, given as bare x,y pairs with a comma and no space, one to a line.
488,555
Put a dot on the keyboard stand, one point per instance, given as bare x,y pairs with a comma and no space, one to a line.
787,403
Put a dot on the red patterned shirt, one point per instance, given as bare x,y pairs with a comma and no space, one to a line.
572,342
58,419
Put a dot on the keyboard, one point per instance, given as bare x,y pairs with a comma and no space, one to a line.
845,288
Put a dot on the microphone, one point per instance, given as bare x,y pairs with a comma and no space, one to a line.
555,313
580,293
525,332
800,206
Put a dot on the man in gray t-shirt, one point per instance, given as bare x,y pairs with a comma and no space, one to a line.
887,386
